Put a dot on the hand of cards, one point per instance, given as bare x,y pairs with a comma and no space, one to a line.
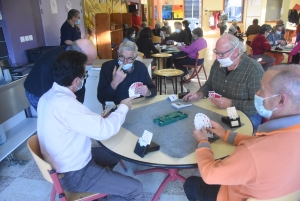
146,138
132,88
109,108
202,120
213,94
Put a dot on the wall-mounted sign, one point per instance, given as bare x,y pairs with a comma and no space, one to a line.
53,5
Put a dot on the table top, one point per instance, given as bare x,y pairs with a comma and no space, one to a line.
161,55
168,72
285,49
99,62
123,143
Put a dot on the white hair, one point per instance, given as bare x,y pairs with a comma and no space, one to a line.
234,41
129,46
287,81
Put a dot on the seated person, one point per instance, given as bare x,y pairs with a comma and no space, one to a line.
65,128
237,80
144,24
295,54
235,30
264,166
167,28
298,38
116,76
260,45
276,38
158,31
254,28
130,35
187,29
180,35
192,50
280,22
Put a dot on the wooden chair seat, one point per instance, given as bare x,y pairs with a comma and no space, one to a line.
168,72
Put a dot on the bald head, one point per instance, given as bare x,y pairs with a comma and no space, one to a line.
228,41
86,47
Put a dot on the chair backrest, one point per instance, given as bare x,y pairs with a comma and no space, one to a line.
34,148
140,54
250,37
249,50
156,39
290,197
201,53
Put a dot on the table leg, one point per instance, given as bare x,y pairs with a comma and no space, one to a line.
156,82
181,84
172,175
175,85
165,82
160,83
158,61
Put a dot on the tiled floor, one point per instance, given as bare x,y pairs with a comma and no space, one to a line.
24,182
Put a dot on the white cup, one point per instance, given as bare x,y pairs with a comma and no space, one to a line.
1,74
163,47
7,76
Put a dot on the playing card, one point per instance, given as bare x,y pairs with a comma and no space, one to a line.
201,120
217,95
132,88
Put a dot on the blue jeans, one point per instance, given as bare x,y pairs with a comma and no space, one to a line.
255,120
33,100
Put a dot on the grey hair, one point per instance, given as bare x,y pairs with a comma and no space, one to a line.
144,24
234,41
129,46
287,81
157,25
74,46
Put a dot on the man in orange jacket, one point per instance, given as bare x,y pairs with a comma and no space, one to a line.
264,166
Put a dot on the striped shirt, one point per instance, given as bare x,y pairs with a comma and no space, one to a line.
240,85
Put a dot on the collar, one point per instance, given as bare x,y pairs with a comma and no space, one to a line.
62,89
279,125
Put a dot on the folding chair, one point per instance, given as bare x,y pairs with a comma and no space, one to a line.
51,175
250,53
156,39
197,69
290,197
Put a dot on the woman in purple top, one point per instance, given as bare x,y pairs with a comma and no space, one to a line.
294,54
192,50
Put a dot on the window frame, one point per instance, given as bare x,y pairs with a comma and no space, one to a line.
242,6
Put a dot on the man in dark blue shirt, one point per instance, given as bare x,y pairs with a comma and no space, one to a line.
70,30
116,76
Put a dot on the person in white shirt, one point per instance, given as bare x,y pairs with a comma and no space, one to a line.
65,127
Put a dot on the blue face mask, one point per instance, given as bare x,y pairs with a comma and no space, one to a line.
259,105
126,66
177,30
78,22
278,32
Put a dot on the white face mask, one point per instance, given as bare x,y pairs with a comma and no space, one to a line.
227,61
267,34
177,30
78,88
133,35
259,106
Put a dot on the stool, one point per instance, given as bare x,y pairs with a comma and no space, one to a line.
168,73
162,56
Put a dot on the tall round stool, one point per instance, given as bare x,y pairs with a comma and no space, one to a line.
168,73
162,56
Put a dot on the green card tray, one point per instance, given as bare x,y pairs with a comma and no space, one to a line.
170,118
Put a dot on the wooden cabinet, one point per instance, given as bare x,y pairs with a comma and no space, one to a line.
109,33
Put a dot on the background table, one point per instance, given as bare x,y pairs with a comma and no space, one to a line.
123,143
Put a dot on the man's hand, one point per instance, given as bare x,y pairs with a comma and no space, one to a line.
217,129
200,135
118,77
222,102
127,101
192,96
142,90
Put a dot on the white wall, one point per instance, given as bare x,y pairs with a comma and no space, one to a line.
53,21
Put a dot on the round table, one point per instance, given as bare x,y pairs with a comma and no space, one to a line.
168,73
284,50
163,56
123,143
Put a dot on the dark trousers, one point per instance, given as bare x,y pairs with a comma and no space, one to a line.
186,61
96,178
171,60
196,189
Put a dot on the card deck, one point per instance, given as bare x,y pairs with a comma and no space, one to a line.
213,94
132,88
202,120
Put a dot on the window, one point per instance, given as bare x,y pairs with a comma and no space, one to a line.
192,12
234,10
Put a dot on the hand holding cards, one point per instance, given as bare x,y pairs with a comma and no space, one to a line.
132,88
202,120
213,94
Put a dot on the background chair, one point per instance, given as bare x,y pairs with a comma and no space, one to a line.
290,197
250,38
156,39
250,53
197,69
51,175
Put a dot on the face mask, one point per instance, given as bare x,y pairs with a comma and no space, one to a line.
278,32
177,30
126,66
259,105
266,34
78,22
227,61
78,88
133,35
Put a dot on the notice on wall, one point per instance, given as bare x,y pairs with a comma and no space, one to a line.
178,11
53,5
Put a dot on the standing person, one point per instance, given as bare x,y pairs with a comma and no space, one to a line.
70,30
223,22
130,35
144,24
136,20
65,128
167,28
40,79
254,28
276,38
235,76
265,166
192,50
187,29
157,31
260,45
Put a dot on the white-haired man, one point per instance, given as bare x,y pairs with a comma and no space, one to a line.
264,166
116,76
233,75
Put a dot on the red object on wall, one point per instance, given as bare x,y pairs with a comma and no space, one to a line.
216,16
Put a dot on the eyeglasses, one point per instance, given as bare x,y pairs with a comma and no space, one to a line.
129,59
85,76
221,54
